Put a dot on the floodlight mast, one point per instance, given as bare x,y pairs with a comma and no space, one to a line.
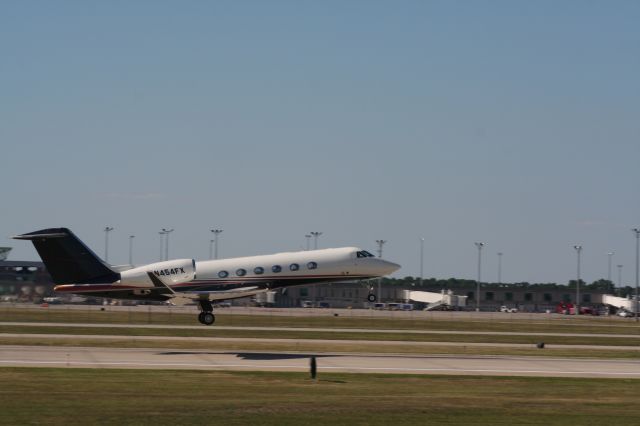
161,233
637,232
107,229
166,247
620,276
610,255
131,237
421,260
315,234
216,237
576,308
380,244
479,245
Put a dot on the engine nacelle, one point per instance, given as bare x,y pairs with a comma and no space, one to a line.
169,272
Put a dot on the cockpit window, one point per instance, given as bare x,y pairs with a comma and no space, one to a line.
364,253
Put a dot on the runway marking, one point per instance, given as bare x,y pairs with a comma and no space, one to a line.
337,368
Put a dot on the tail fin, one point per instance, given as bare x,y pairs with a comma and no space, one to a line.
67,259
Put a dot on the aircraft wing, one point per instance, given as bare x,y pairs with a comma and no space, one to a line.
183,297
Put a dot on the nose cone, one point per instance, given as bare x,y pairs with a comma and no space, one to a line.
384,267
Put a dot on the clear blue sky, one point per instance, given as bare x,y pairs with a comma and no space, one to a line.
516,123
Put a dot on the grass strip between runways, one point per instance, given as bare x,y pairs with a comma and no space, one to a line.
326,335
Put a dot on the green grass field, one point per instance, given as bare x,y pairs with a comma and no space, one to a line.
498,322
152,397
159,397
292,333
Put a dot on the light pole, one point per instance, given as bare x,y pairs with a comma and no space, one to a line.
315,234
637,232
131,237
421,259
578,249
610,254
619,276
380,244
166,247
211,249
107,229
479,245
308,238
161,233
216,237
499,267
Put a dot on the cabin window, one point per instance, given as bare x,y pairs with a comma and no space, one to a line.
312,265
294,267
241,272
276,268
258,270
223,274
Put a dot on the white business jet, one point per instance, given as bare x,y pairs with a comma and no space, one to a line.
76,269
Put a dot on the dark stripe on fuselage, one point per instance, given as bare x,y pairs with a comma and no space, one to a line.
213,285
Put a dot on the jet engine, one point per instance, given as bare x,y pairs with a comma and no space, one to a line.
169,272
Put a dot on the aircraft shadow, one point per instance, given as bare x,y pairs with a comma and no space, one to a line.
254,356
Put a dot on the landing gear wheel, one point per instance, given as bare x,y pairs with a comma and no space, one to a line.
201,317
208,318
372,297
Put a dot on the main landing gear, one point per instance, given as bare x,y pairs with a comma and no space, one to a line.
206,317
371,297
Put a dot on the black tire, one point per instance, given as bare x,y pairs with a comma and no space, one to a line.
201,317
372,297
208,318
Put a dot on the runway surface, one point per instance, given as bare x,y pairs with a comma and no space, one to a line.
316,329
86,357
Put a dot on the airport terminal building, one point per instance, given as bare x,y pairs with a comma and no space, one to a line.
24,281
492,296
